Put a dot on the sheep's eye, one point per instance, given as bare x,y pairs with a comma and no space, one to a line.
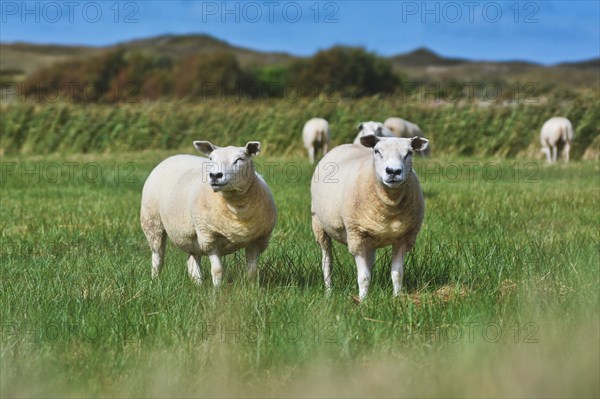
376,152
237,160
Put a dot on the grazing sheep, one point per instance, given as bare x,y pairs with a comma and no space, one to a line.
556,132
315,135
208,207
403,128
368,197
374,128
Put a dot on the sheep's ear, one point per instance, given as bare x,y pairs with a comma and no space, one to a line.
369,141
253,148
359,126
419,143
205,147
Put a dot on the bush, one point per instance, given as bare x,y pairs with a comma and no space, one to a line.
205,75
352,72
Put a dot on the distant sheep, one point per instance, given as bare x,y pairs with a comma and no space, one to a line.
368,197
208,207
372,128
556,132
403,128
315,135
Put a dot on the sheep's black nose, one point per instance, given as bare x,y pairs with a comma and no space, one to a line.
215,176
395,172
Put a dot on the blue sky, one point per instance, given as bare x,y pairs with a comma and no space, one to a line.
541,31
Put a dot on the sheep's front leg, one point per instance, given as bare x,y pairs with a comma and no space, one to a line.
397,268
252,253
216,269
364,259
554,153
193,266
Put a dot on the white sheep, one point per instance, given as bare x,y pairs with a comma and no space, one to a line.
372,128
315,135
403,128
208,207
367,197
556,132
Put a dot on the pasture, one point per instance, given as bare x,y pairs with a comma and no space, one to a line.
500,295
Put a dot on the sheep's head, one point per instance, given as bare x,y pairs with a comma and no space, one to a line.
231,168
373,128
392,157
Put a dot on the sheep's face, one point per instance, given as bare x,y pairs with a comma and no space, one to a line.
392,157
230,168
373,128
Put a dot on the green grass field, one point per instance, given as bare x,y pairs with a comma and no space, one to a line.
501,290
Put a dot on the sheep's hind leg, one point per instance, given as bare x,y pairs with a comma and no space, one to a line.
157,239
193,266
158,254
566,149
324,240
326,263
546,152
311,154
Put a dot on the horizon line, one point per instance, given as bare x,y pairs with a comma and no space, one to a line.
435,52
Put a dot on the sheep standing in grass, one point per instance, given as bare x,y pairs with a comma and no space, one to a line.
315,135
403,128
208,207
372,128
368,197
557,132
